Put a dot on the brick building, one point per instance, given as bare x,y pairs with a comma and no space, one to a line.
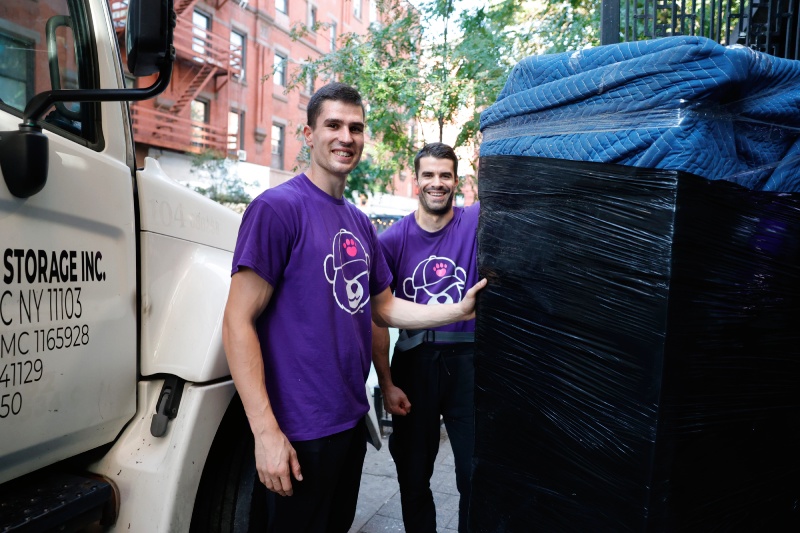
228,90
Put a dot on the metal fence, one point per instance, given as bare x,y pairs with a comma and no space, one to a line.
769,26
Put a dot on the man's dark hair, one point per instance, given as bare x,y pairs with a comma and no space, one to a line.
439,151
338,92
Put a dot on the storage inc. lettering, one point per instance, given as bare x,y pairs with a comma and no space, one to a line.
21,265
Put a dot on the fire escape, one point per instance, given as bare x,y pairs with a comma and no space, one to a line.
204,61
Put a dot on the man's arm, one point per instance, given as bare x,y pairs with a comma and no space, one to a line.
388,310
394,399
276,459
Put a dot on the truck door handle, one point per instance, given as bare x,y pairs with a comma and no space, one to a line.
167,406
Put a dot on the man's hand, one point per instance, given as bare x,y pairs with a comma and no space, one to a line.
470,299
395,400
276,462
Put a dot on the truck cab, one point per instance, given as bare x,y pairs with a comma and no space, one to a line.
114,389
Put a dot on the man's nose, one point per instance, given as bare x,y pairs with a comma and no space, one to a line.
345,137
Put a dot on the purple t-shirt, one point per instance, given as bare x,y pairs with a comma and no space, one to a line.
321,255
434,268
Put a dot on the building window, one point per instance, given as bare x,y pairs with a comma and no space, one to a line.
357,9
279,69
333,36
309,85
235,131
278,141
373,11
281,6
312,17
201,25
238,54
199,113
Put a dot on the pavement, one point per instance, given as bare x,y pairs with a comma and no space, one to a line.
379,498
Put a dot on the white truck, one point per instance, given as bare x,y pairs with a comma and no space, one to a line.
117,410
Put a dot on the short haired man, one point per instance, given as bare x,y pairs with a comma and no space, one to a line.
432,255
308,278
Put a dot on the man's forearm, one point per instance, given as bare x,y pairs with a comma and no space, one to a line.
389,310
409,315
380,355
394,399
243,352
248,297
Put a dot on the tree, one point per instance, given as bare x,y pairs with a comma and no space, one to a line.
384,66
428,63
225,185
497,36
569,25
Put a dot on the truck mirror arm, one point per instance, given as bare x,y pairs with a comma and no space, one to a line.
42,101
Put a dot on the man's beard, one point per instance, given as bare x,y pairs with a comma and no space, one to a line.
448,205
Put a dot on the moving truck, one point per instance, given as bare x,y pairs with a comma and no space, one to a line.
117,410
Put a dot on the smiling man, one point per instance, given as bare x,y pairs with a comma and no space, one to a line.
432,255
308,279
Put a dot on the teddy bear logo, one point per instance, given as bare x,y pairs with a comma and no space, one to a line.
436,280
347,270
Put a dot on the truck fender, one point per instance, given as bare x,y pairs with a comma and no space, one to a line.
157,477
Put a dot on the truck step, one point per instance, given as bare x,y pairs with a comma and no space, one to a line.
61,502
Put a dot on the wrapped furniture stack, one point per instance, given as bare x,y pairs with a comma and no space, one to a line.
638,347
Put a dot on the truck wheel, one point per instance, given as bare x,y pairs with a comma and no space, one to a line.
230,499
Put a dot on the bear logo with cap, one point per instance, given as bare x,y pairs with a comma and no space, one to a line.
347,270
436,280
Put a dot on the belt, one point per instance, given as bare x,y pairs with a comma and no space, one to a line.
413,338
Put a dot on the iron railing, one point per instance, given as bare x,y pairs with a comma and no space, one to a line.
770,26
166,130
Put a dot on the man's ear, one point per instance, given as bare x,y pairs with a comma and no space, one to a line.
307,135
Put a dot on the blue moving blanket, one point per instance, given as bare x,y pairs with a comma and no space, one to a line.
678,103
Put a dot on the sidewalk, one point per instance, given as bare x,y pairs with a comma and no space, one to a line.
379,498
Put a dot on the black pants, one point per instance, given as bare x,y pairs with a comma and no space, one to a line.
325,501
438,380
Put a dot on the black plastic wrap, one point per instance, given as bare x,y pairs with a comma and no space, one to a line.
637,364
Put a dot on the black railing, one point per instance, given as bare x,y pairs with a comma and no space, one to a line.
770,26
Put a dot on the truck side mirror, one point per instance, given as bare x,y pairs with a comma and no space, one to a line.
147,32
24,160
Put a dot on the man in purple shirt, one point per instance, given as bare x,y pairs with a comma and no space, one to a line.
432,254
308,279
